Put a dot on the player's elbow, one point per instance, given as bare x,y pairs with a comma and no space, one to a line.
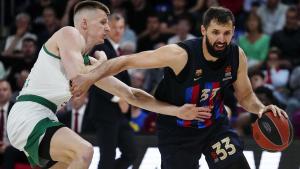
123,63
134,96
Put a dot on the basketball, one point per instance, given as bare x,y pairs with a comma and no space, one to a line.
272,133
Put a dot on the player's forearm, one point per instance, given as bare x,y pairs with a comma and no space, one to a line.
251,103
146,101
108,68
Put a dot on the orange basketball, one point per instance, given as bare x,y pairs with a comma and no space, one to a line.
272,133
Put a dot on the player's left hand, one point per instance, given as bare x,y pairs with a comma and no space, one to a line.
276,111
192,112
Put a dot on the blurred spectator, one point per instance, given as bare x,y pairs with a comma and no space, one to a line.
20,78
129,34
138,79
13,43
109,112
257,79
29,52
288,39
25,61
138,117
255,6
150,124
294,102
252,5
3,72
77,118
295,82
296,123
243,123
67,19
273,16
128,47
198,6
35,9
49,25
152,35
8,154
197,12
179,8
183,29
276,69
236,6
255,43
138,14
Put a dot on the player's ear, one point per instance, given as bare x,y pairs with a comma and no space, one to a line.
83,24
203,30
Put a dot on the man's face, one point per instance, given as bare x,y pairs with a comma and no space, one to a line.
22,22
5,92
218,36
179,4
183,27
97,26
252,23
291,20
49,16
28,48
117,28
153,24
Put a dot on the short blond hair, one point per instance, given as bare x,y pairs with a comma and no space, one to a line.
90,4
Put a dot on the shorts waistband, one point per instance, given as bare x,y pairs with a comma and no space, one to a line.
38,99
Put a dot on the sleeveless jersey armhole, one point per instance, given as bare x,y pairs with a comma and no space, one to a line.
184,74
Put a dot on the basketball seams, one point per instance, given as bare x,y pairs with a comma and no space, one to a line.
266,140
280,128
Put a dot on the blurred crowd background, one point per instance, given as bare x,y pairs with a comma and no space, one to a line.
267,30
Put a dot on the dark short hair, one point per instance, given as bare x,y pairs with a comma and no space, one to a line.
220,14
293,8
90,4
28,39
116,17
256,72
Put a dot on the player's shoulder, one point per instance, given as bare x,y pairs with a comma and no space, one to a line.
68,31
68,34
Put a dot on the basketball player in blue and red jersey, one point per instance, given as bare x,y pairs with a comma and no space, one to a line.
197,71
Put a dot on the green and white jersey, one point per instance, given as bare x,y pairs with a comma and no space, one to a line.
47,81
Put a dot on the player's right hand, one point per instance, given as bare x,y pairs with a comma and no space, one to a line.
191,112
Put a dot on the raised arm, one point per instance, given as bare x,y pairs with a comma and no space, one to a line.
244,93
144,100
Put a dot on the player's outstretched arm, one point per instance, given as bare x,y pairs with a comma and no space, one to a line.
171,56
144,100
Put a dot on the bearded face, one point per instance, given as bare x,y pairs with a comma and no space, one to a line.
217,38
216,49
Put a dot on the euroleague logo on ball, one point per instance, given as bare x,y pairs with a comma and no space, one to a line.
267,127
